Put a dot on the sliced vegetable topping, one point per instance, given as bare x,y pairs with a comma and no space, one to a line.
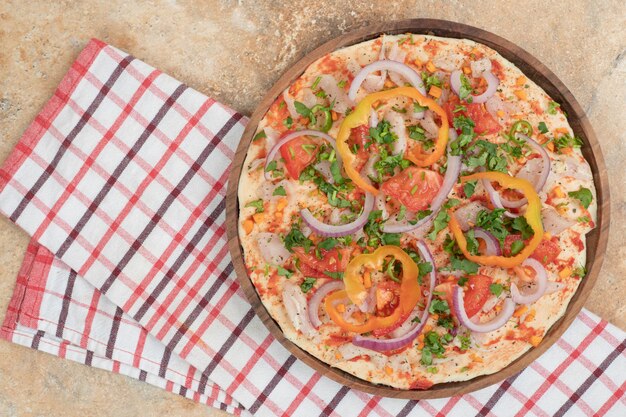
414,187
356,292
360,116
296,157
532,215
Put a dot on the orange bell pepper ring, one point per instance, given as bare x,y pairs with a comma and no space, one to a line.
410,292
532,215
360,116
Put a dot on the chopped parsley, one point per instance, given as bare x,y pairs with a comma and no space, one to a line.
280,190
442,218
439,307
542,127
472,242
466,342
457,260
459,108
334,275
469,187
259,135
273,168
583,195
417,108
283,272
336,193
430,80
433,346
466,125
418,134
579,271
516,247
485,154
567,141
295,237
307,284
464,265
328,243
423,269
257,204
496,289
552,107
493,222
288,122
521,225
315,83
382,133
441,221
402,212
374,233
387,163
302,109
466,88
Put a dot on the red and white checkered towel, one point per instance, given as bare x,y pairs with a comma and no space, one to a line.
120,180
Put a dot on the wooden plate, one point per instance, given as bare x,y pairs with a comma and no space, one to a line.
532,68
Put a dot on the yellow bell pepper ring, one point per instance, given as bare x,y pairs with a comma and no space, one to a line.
532,215
360,116
410,292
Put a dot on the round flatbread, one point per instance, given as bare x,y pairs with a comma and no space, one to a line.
505,123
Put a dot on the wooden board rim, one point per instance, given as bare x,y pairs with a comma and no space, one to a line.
532,68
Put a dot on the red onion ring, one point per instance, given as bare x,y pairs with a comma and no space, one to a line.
386,65
542,284
316,300
330,230
493,245
452,174
294,135
492,85
383,345
500,320
502,202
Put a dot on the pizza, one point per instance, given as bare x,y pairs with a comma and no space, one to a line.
413,211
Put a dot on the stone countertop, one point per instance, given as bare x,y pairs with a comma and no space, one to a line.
234,51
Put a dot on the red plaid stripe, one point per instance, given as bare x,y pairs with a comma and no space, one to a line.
154,296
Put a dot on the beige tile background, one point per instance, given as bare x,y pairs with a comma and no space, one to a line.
234,51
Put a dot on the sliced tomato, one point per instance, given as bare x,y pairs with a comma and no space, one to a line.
331,261
484,123
547,252
298,154
359,136
414,187
476,293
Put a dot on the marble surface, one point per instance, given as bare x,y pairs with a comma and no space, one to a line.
234,51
